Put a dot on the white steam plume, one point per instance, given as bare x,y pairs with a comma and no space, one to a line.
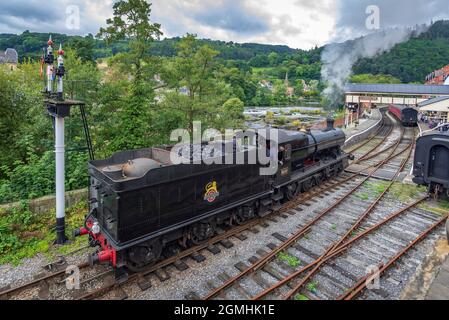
339,58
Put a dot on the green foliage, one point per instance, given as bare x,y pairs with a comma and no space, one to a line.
36,177
312,286
291,260
413,60
195,78
301,297
24,234
84,47
362,196
375,189
378,78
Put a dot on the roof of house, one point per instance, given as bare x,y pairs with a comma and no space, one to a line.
432,101
418,89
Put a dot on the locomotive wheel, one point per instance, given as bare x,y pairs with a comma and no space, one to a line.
143,256
307,185
293,190
319,179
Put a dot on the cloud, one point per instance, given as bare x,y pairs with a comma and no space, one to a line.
297,23
232,15
352,16
291,22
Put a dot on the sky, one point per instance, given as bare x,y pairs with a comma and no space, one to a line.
297,23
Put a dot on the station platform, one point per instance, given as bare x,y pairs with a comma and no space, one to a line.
364,124
439,289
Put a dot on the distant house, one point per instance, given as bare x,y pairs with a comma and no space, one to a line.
10,57
266,84
184,90
439,76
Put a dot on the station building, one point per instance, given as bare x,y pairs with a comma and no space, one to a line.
360,98
437,108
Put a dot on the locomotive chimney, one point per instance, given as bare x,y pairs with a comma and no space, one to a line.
330,124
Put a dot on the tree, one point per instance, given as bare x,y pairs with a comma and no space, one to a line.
84,48
233,112
273,58
131,22
193,72
378,78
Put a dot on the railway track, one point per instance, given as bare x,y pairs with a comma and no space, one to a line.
316,193
377,147
315,223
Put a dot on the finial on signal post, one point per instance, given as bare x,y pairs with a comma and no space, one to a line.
60,71
49,59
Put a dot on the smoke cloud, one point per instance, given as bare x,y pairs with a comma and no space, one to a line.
339,58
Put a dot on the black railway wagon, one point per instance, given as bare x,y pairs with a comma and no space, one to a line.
431,163
407,115
142,203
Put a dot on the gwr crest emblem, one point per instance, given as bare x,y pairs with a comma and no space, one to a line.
211,192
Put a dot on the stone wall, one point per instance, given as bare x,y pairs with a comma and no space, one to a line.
48,203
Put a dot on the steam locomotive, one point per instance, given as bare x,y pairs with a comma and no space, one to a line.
406,115
430,167
143,207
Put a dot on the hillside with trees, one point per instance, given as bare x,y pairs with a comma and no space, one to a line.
413,60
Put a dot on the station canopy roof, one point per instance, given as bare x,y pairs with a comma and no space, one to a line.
408,89
440,104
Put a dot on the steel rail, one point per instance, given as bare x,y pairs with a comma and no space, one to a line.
362,283
264,260
374,148
337,246
38,280
340,249
369,139
364,215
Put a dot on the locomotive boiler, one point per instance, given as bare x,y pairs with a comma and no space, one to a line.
143,207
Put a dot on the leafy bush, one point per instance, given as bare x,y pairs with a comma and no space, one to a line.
24,234
36,178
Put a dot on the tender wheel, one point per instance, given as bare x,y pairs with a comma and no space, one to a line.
200,232
144,255
244,214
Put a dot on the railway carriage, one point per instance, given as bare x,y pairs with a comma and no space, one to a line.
406,115
144,207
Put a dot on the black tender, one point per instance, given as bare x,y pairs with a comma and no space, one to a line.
145,211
